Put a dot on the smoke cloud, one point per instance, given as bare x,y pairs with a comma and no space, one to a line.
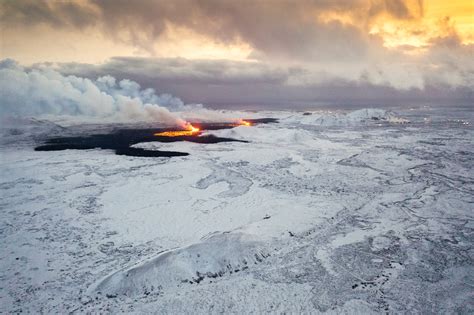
44,91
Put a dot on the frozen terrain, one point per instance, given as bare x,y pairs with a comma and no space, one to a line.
366,211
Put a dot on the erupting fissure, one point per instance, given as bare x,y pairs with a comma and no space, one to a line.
190,130
245,123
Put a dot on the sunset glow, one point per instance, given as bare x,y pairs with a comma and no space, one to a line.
211,51
439,19
435,19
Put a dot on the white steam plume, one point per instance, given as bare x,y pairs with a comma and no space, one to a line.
44,91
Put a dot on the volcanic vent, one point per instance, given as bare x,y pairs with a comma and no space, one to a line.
122,140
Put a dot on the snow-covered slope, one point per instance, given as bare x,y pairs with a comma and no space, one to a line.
357,117
329,212
215,256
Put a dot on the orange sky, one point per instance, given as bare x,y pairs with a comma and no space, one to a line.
46,43
439,18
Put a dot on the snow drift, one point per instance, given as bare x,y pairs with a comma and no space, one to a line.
213,257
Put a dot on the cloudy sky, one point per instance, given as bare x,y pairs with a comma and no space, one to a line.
265,52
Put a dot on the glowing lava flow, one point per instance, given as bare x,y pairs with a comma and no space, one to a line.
245,123
190,131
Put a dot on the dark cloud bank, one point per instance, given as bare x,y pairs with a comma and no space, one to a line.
232,83
296,58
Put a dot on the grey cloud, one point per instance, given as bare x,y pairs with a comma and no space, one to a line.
279,28
184,71
211,82
299,57
55,13
451,63
397,8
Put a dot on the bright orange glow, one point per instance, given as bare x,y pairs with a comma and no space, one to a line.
190,131
192,128
439,19
245,123
428,21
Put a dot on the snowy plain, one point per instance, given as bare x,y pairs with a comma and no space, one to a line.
363,211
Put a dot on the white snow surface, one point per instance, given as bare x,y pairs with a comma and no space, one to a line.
356,212
361,116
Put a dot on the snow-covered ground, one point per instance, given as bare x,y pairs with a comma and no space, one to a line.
360,212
